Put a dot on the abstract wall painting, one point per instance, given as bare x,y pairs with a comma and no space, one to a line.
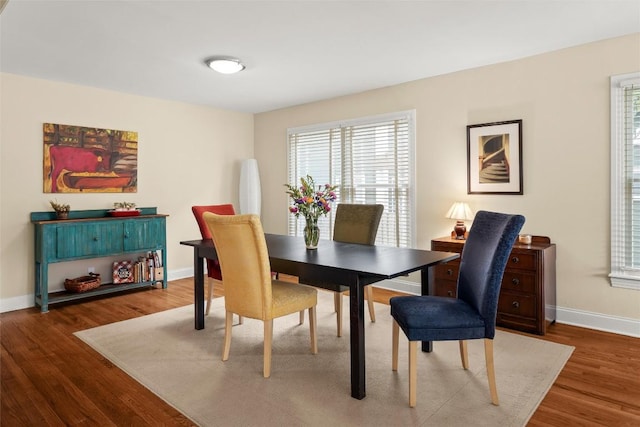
89,160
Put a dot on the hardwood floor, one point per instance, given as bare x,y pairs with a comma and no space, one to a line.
51,378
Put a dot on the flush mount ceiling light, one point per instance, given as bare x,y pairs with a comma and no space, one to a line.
224,64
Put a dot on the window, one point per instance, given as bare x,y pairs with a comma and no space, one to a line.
625,181
370,159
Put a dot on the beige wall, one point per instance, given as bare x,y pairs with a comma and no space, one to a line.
563,100
188,155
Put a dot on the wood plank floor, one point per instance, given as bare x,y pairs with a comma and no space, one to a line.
51,378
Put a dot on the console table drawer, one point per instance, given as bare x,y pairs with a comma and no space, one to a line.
88,239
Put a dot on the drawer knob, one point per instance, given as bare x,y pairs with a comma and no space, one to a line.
95,238
449,272
515,281
515,259
515,304
450,293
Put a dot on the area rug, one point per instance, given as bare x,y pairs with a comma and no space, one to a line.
183,366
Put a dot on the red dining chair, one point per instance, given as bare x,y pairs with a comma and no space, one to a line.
213,266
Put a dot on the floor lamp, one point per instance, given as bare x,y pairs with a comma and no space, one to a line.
250,197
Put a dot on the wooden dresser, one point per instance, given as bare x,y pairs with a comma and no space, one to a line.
528,293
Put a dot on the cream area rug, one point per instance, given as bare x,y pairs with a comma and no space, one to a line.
183,366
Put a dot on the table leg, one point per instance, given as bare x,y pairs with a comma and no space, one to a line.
426,279
356,312
198,288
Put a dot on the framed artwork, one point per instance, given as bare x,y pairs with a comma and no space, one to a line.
89,160
122,272
494,158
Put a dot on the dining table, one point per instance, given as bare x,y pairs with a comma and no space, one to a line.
336,266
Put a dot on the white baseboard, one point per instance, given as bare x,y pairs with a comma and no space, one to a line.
600,322
17,303
569,316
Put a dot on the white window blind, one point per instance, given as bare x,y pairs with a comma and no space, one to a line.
370,160
625,181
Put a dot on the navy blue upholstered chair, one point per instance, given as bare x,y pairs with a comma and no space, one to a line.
472,315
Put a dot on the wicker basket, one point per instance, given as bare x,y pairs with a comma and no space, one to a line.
82,284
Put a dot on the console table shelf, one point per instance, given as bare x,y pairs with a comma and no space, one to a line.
93,234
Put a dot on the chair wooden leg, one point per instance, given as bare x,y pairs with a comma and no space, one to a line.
227,335
491,373
337,300
209,296
301,322
268,338
413,372
394,345
240,320
312,330
464,354
368,294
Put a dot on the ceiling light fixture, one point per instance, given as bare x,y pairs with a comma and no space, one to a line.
225,65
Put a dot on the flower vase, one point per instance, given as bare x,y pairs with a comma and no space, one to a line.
311,233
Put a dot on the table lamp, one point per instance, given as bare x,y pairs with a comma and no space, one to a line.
461,212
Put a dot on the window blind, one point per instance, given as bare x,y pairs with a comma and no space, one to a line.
370,161
625,201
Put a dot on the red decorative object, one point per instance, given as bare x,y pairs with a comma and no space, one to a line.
122,272
135,212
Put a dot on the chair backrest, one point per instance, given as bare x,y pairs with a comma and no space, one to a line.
213,268
198,211
247,278
483,261
356,223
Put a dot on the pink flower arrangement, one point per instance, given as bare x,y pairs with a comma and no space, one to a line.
309,201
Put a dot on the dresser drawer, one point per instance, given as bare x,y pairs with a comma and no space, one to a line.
446,288
448,271
516,304
521,260
515,280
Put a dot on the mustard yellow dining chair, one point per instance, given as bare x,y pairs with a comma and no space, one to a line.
213,267
356,223
249,288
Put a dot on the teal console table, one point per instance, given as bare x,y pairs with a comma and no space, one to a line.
93,234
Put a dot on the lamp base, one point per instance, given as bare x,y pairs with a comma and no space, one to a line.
460,230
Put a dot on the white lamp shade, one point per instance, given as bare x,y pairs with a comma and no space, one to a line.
250,193
460,211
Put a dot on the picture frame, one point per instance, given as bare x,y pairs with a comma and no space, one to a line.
122,272
494,158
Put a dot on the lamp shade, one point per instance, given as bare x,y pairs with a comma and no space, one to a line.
250,195
460,211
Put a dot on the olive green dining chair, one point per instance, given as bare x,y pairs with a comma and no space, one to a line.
356,223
